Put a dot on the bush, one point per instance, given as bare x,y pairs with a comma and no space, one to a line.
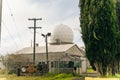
12,72
2,71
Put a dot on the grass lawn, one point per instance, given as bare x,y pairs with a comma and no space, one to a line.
46,77
90,70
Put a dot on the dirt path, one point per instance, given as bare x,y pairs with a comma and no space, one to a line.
79,79
2,78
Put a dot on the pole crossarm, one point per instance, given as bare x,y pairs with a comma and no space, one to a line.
34,27
34,18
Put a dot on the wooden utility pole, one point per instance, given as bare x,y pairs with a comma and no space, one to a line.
0,19
34,41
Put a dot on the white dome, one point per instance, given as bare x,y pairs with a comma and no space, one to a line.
62,34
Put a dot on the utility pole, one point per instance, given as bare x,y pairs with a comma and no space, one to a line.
0,19
34,41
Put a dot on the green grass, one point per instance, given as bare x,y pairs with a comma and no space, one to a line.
90,70
110,76
117,75
45,77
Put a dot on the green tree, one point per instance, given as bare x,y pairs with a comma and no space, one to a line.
98,25
118,35
118,52
12,61
118,12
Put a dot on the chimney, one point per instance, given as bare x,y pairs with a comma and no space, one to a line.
36,44
58,41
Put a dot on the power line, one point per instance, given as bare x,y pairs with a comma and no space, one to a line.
13,19
10,34
17,32
9,8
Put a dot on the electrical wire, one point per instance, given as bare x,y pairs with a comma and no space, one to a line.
15,25
10,34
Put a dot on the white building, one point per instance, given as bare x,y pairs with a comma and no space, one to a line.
62,52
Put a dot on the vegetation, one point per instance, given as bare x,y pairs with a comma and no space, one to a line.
98,25
46,77
118,12
90,70
118,36
12,61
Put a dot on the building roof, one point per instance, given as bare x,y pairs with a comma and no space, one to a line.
52,49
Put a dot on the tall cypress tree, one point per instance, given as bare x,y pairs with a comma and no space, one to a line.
98,25
118,34
118,12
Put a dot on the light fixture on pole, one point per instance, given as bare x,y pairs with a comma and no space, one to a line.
46,36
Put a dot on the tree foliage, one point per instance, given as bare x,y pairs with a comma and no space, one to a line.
118,35
118,12
118,52
98,25
12,61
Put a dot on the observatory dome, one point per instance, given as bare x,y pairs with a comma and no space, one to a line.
62,34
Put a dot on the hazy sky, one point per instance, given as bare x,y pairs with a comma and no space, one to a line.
15,14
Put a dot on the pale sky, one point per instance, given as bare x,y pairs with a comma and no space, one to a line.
15,14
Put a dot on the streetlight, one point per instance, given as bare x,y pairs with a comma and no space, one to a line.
45,36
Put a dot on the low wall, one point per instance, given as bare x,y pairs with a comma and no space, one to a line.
89,78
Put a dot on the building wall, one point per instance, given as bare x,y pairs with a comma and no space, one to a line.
55,58
41,57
